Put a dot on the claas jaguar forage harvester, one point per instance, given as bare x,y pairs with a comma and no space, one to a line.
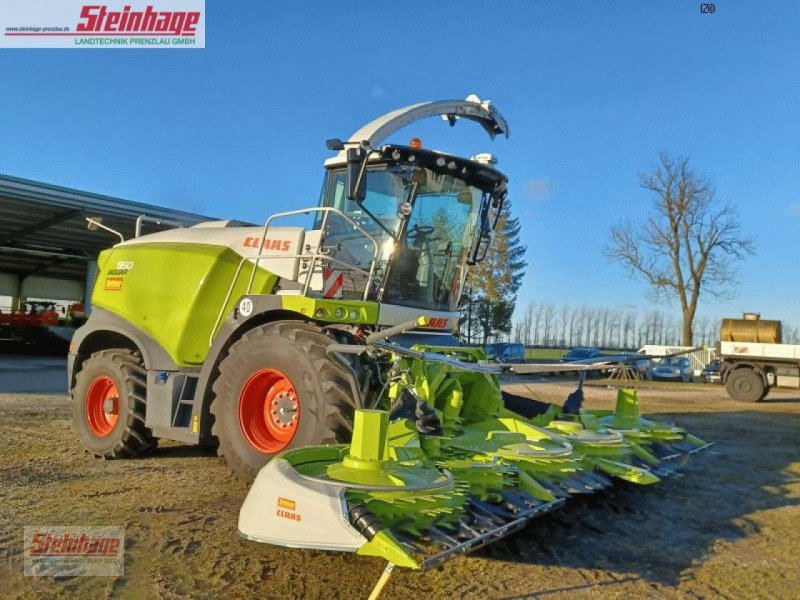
322,362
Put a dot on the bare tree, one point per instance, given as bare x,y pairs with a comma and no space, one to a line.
581,324
661,326
688,244
595,323
573,318
629,330
615,327
713,330
525,323
651,336
549,318
641,335
698,336
536,321
564,324
602,320
586,326
669,330
704,330
528,323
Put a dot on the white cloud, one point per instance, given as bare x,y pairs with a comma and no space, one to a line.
537,189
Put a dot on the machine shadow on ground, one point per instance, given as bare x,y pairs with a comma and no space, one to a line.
657,534
179,451
769,400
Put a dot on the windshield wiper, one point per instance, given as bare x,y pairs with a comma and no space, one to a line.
377,220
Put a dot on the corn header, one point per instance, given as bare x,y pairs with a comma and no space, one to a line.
440,467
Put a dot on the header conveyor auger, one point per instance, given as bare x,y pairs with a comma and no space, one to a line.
447,468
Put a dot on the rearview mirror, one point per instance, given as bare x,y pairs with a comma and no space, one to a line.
491,207
481,248
356,171
496,207
334,144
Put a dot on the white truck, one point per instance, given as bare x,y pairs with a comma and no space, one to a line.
750,369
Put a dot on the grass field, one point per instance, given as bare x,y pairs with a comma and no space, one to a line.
544,353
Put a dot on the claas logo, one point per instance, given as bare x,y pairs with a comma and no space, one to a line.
279,245
286,509
286,503
113,284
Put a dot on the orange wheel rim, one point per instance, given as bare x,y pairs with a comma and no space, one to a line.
269,411
102,406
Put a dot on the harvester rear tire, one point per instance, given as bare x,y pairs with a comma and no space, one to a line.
745,385
121,432
324,403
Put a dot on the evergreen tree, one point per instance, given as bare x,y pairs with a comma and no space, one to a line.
490,293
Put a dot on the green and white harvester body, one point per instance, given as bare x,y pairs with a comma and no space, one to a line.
323,363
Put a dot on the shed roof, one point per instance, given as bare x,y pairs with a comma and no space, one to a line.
43,227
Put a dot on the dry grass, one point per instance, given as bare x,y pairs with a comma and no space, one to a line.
728,527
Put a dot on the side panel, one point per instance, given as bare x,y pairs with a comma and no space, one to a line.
745,350
174,291
440,321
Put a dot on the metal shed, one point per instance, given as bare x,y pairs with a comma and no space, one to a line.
46,246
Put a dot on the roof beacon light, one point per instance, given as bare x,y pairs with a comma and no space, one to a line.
416,143
485,158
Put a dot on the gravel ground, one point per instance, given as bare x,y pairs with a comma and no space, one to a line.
728,527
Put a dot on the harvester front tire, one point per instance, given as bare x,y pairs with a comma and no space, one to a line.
109,403
314,385
745,385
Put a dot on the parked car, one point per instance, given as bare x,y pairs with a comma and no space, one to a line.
643,368
674,368
580,354
505,352
712,372
577,354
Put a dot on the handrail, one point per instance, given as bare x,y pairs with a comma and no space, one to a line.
156,220
312,257
305,211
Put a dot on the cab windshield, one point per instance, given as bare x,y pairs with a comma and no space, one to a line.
421,257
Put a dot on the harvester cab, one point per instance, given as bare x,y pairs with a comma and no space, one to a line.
399,225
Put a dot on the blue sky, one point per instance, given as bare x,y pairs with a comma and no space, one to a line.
593,92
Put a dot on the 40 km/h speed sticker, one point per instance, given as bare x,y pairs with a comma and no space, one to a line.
246,307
